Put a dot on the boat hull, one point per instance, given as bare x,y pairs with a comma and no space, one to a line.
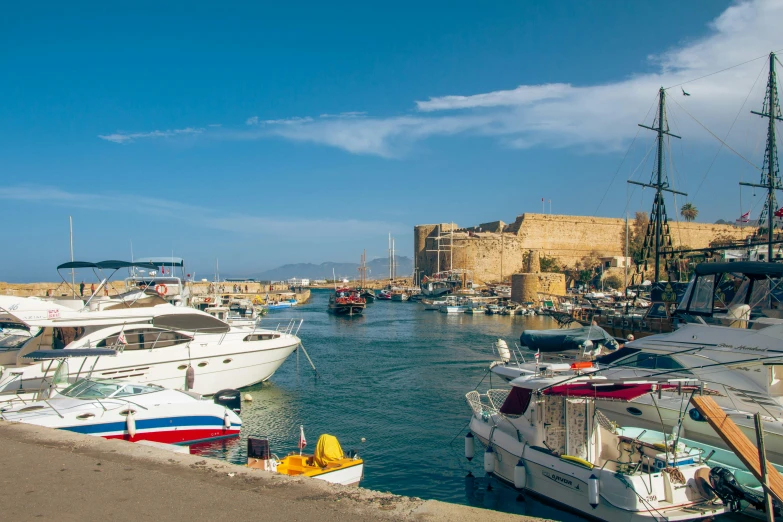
346,309
187,422
230,363
552,478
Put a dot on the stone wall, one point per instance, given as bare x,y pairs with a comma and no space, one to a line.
566,238
525,288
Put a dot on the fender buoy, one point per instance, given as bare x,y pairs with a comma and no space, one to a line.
593,493
520,475
207,299
469,446
190,377
227,421
489,460
130,425
161,289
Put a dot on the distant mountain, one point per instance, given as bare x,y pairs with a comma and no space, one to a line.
376,269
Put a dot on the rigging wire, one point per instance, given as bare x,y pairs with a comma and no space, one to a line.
642,164
722,70
638,129
717,138
704,178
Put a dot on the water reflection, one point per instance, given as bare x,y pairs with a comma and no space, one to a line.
392,386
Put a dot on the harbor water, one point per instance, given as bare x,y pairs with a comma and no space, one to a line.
391,385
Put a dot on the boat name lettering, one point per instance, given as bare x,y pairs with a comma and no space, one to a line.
743,347
560,480
14,306
53,314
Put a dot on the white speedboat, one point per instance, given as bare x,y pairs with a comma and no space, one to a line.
116,409
176,347
547,437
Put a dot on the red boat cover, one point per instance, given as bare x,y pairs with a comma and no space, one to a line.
612,391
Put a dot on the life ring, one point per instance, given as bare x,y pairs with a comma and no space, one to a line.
161,289
207,299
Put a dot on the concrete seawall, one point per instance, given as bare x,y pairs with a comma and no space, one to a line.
59,475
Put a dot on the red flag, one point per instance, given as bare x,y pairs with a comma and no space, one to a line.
779,212
302,440
744,217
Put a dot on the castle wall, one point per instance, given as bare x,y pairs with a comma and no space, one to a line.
566,238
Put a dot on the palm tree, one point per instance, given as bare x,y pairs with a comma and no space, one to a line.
689,212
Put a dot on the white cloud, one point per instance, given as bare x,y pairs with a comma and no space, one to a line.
296,120
123,137
349,114
594,117
522,95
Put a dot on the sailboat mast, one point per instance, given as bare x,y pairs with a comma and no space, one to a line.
73,275
769,175
394,268
626,254
771,155
451,248
658,195
439,234
661,185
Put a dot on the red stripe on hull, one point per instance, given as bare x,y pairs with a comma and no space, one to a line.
178,436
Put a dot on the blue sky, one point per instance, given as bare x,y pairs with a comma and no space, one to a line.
262,133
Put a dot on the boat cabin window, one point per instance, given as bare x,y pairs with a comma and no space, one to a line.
145,339
613,357
137,389
652,361
722,292
261,337
517,401
699,296
89,389
657,311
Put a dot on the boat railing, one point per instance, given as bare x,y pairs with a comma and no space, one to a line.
486,404
291,327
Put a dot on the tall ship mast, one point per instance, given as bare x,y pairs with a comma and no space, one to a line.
770,171
658,239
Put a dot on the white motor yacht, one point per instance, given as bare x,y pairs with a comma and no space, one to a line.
729,336
176,347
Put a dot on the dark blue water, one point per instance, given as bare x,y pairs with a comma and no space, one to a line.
397,377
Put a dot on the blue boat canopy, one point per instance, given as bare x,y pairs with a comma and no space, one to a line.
65,354
109,264
753,269
163,261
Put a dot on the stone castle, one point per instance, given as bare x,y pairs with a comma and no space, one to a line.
494,251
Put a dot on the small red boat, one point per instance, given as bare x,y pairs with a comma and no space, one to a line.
346,301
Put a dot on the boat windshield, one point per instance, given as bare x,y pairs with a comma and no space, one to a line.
717,293
95,389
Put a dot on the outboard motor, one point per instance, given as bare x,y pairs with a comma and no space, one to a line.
229,398
731,492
